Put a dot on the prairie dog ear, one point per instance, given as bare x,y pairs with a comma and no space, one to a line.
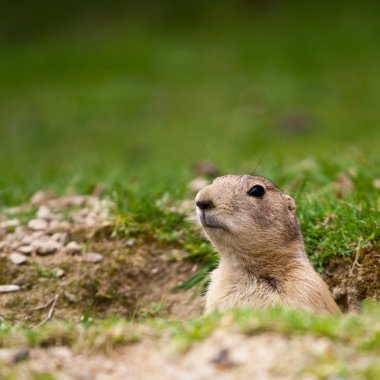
291,204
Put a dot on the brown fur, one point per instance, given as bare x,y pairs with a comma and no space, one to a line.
262,257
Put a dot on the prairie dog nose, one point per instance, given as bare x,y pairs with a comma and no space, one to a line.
205,205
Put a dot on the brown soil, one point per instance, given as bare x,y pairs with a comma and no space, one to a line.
135,278
226,355
129,282
355,279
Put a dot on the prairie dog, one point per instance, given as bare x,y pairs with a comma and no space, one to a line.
254,228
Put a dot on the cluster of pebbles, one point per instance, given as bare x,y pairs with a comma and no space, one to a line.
52,227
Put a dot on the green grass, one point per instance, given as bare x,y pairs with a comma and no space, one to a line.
344,337
331,225
360,331
140,103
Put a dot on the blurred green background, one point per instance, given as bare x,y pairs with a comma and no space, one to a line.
113,91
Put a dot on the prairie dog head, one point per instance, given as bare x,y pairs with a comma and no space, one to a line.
247,214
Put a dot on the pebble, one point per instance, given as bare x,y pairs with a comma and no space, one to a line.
92,257
70,296
38,197
38,224
59,272
44,213
57,225
27,240
73,248
25,249
18,258
41,196
130,243
61,237
376,183
9,288
46,247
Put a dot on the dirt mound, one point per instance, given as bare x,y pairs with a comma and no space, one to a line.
64,246
226,354
355,279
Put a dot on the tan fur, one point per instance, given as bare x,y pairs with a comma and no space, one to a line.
262,257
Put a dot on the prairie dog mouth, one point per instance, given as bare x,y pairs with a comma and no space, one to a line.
209,221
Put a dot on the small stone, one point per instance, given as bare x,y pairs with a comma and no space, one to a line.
59,272
41,197
92,257
61,237
38,224
197,184
25,249
44,213
27,240
9,288
376,183
20,233
14,246
70,296
48,247
130,242
59,226
37,235
73,248
17,258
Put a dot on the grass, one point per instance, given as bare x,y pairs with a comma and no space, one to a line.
347,335
141,104
332,225
360,331
343,337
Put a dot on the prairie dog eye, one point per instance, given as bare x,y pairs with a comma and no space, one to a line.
256,191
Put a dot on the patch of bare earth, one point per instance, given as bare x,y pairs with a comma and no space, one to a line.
65,250
226,355
355,279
